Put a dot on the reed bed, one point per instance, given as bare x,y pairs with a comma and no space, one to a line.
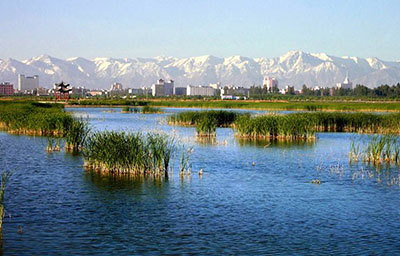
304,125
276,127
151,110
222,118
379,149
130,153
32,118
75,135
127,109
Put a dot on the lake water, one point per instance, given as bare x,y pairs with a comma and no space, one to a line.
234,208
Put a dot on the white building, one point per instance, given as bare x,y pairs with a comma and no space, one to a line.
116,87
269,83
27,83
346,84
162,88
192,90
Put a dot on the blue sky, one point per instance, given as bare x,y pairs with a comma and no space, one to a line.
150,28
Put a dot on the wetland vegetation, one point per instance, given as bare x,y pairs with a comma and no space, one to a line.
130,153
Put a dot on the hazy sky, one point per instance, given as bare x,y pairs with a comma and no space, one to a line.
149,28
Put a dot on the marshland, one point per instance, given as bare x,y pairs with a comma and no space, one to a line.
254,196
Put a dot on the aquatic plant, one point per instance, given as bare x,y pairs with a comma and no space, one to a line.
151,110
76,135
129,153
378,149
206,128
184,165
32,118
273,126
222,118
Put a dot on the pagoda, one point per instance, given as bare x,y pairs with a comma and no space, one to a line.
62,91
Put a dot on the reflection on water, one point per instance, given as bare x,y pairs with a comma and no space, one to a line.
265,143
235,208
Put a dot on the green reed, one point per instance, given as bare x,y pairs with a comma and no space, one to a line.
75,135
130,153
151,110
378,149
32,118
304,125
222,118
274,126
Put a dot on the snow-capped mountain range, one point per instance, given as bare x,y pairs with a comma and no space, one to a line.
293,68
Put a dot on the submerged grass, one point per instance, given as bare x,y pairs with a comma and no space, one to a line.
130,153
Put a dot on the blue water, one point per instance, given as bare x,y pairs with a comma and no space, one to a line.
234,208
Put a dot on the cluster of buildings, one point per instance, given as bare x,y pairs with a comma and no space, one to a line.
162,88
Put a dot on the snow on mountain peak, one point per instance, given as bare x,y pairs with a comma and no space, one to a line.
293,68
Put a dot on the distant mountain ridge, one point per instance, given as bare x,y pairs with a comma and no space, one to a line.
293,68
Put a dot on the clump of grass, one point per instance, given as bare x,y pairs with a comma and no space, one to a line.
151,110
377,150
129,153
184,165
222,118
127,109
206,127
76,135
276,127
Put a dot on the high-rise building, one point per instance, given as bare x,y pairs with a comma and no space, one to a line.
269,83
27,83
163,88
6,89
200,90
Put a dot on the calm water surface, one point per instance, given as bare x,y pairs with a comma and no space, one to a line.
235,208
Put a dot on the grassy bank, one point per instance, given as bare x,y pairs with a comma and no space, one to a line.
32,118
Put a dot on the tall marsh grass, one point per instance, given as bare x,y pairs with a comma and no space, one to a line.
377,150
222,118
304,125
130,153
32,118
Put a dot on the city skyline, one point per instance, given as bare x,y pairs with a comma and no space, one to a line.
183,29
